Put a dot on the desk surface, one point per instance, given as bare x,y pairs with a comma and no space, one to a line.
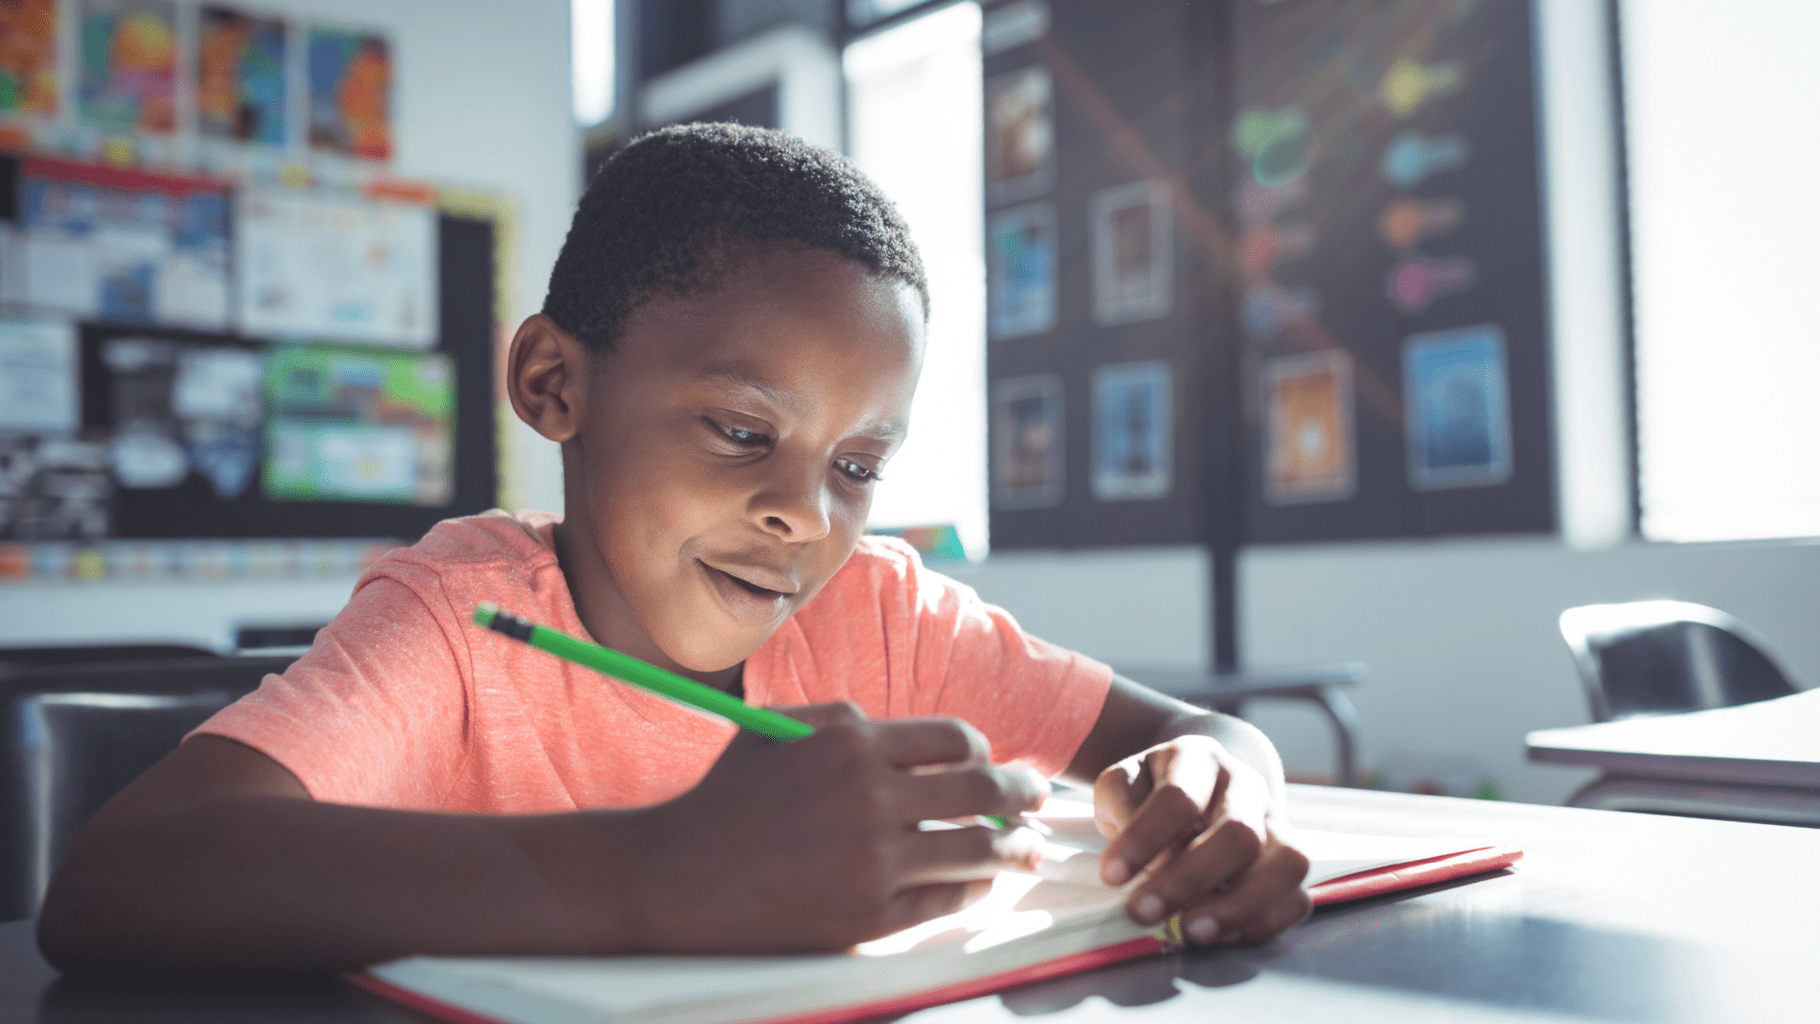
1719,922
1772,742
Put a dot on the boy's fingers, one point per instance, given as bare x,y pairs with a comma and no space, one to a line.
1186,788
963,792
917,742
1215,859
826,716
1268,899
1117,793
967,854
919,903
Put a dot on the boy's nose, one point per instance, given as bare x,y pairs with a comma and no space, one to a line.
793,505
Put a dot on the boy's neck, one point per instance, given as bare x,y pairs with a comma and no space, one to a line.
602,626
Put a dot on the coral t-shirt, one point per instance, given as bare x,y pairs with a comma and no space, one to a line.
403,702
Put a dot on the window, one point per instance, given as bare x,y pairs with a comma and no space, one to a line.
913,105
1722,100
591,59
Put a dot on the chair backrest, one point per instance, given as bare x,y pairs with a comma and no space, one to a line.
19,660
1657,657
74,737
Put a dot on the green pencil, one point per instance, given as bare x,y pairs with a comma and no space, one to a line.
624,667
687,692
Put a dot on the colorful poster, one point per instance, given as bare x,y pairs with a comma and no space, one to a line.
126,248
28,56
1308,428
1457,408
1133,253
1020,135
347,426
1027,448
1020,271
128,57
1133,424
350,93
240,76
331,268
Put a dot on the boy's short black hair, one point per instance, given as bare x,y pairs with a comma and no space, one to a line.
661,211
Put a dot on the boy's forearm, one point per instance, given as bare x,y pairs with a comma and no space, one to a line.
263,883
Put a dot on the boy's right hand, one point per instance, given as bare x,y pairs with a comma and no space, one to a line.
815,843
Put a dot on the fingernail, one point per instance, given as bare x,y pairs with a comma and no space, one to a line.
1203,929
1149,909
1115,872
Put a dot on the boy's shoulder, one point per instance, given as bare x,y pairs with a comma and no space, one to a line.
490,540
887,569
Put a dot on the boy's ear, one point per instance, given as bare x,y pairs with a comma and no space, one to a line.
547,373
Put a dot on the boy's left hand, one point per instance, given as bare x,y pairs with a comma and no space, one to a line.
1205,824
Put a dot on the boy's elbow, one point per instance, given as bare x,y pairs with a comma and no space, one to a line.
89,917
70,925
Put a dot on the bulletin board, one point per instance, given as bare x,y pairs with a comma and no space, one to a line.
181,422
1263,272
1391,295
1103,333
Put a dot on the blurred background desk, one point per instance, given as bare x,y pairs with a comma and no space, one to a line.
1757,761
1627,917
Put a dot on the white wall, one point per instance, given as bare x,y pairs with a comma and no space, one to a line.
481,99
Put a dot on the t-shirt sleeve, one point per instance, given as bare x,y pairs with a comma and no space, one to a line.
374,714
1034,700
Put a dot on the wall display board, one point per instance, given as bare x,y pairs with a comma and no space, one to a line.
123,422
1386,206
1322,218
1102,293
222,436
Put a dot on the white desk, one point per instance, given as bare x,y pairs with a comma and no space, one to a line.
1757,761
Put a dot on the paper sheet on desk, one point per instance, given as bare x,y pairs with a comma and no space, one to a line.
1072,854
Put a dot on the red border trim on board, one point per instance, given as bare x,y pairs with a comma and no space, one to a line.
1070,964
118,177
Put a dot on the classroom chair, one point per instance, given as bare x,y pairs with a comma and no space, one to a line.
17,660
76,735
1662,657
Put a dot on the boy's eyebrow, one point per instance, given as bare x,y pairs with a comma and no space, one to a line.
739,374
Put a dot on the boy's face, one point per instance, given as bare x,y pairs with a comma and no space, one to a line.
723,468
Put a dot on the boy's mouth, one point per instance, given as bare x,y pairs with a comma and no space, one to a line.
746,594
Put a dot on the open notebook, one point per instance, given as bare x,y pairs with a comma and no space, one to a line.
1029,928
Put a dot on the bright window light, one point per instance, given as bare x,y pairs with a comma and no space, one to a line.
1722,100
591,58
913,101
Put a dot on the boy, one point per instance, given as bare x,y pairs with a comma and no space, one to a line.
727,356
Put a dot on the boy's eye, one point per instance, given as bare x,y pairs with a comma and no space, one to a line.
857,472
740,436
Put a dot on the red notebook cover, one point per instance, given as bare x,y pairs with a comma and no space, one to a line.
1375,882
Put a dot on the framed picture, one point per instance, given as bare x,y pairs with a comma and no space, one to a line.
1133,253
1020,271
350,92
1457,408
1308,428
1027,442
1133,423
1020,135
